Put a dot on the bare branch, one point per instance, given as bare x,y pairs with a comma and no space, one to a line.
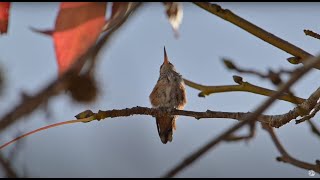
274,77
312,62
311,33
308,117
243,86
285,157
256,31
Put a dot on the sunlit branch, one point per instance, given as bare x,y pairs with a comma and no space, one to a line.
256,31
242,86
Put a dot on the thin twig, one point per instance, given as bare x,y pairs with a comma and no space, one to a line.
309,116
274,77
250,135
311,33
256,31
314,128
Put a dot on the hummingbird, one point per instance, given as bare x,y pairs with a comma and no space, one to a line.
169,92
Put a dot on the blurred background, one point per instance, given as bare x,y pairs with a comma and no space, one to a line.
127,72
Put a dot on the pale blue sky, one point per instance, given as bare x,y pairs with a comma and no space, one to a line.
127,72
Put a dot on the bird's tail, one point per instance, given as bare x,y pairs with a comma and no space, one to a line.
165,126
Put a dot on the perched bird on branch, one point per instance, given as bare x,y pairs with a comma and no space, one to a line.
169,92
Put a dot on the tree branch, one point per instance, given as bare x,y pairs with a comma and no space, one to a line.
312,62
311,33
274,77
243,86
256,31
285,157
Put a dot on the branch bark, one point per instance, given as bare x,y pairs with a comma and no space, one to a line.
243,86
256,31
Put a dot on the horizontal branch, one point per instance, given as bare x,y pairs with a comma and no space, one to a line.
256,31
243,86
272,120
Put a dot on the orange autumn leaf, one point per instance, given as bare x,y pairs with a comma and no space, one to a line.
78,26
4,16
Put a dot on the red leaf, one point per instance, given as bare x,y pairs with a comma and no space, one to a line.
4,16
77,28
175,13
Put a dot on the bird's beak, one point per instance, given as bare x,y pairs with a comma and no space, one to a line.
166,60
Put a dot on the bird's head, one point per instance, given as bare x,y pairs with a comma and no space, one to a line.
166,66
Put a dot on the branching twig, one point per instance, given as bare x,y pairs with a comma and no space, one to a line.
256,31
309,116
312,62
285,157
274,77
243,86
275,120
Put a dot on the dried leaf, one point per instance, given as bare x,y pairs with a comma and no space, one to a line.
175,13
4,16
